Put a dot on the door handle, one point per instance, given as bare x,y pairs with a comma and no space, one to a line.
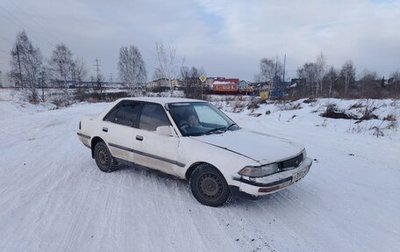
139,138
105,129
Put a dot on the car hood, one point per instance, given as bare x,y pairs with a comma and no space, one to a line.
257,146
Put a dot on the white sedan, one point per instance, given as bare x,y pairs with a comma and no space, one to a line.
193,140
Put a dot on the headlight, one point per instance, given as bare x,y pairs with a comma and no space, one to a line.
259,171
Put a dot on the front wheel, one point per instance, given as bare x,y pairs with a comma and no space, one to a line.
103,157
209,186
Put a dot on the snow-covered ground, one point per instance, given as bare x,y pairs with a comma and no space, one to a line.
54,198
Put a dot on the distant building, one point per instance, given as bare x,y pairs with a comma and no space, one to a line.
296,87
225,85
158,85
163,84
177,84
244,86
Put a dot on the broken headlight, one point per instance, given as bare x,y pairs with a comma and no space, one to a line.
259,171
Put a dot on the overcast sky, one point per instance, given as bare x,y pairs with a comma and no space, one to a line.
227,38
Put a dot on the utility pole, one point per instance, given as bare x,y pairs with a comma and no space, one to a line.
284,68
98,75
19,66
97,69
111,81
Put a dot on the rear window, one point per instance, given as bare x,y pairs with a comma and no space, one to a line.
124,113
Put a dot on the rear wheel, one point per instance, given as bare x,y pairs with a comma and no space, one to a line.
103,157
209,186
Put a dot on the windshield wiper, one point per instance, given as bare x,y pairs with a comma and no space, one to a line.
215,130
230,126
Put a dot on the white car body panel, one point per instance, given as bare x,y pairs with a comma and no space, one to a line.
116,136
195,151
260,147
162,156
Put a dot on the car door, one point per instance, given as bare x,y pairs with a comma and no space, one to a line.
119,128
152,149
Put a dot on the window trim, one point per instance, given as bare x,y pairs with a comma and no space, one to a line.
131,102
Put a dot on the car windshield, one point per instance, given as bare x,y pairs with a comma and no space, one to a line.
200,118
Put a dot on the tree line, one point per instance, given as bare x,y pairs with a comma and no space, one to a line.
318,79
30,71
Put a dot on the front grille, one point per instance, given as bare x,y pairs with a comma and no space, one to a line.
291,163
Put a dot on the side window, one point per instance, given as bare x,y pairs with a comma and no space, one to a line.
152,116
125,113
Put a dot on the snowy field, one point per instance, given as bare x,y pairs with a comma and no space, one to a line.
54,198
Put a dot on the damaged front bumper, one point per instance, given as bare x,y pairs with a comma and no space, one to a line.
272,183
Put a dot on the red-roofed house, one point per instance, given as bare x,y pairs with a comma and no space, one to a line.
225,85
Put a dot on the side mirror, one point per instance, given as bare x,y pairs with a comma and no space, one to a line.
165,131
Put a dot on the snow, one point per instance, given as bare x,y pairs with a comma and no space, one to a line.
54,198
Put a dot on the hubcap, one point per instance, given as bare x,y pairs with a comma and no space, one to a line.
103,157
210,185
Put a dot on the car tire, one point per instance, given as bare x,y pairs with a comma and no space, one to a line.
103,157
209,186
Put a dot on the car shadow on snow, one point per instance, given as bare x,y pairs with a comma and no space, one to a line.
168,183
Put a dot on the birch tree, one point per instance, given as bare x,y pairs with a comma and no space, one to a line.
348,76
309,72
61,67
269,69
79,74
320,68
330,78
131,68
167,62
26,64
193,88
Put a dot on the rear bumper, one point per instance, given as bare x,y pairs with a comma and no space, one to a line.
272,183
84,139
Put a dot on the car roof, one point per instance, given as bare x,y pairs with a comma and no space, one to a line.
160,100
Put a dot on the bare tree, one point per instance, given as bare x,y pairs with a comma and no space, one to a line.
61,67
330,78
269,69
158,74
321,65
309,72
394,84
26,64
191,79
167,62
348,76
79,73
131,67
369,85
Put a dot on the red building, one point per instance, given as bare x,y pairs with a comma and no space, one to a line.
224,85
